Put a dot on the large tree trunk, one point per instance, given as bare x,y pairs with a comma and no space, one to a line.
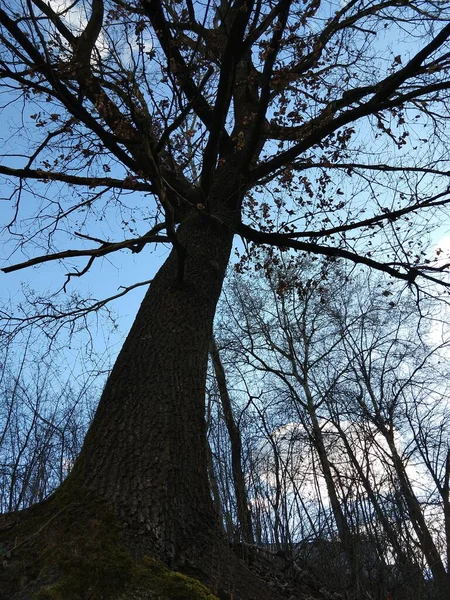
145,452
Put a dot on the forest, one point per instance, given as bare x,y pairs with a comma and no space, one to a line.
264,186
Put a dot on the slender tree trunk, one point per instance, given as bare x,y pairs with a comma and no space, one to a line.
318,442
215,490
341,522
243,513
373,498
146,452
446,502
428,547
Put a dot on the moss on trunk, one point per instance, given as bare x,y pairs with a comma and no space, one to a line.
69,548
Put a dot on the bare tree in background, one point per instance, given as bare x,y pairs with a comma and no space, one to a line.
352,397
45,410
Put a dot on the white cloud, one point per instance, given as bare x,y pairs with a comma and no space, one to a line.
75,17
73,14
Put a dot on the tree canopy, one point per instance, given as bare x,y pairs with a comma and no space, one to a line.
333,115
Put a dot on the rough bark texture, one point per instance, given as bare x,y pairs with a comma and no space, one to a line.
146,449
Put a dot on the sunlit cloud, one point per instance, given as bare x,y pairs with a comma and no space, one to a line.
76,18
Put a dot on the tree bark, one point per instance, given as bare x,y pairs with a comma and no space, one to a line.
145,452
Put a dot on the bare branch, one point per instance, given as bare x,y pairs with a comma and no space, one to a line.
87,182
135,245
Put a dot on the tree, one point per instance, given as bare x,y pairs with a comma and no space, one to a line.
243,513
395,374
45,409
291,124
342,380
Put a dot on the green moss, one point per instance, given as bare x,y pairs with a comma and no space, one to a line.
50,592
70,549
84,553
149,577
152,575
